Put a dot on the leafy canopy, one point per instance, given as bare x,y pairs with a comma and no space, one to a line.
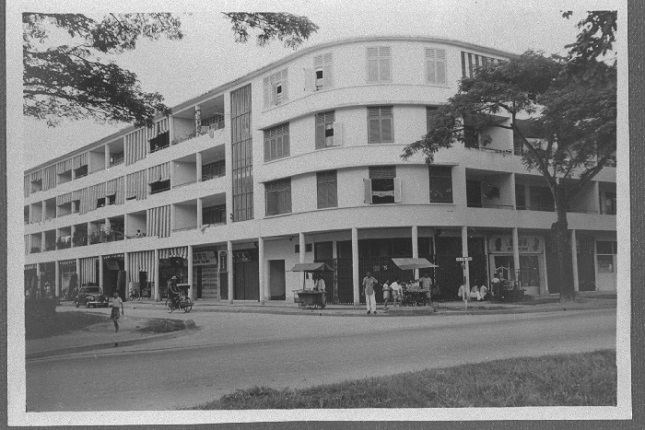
72,81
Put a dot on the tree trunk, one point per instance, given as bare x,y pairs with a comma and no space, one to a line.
562,241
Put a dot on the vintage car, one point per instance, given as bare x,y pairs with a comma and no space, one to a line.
92,297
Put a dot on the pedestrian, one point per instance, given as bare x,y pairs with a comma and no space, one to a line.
386,293
116,303
426,284
397,292
369,282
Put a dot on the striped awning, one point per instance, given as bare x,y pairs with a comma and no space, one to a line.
88,270
159,173
36,176
64,166
79,160
159,222
49,177
143,261
115,187
137,185
27,188
136,146
181,252
64,198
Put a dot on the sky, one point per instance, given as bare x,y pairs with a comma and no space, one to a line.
208,57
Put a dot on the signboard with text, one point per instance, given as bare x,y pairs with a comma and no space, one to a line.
504,244
204,258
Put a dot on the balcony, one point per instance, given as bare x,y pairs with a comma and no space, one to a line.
216,169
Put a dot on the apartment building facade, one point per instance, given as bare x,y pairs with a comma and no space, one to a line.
300,161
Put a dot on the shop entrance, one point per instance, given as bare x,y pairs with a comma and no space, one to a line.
277,285
504,266
246,276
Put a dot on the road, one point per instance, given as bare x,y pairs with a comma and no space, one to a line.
298,351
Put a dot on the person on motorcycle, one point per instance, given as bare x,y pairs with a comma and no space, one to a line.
173,292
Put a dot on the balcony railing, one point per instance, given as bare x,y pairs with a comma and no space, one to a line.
213,170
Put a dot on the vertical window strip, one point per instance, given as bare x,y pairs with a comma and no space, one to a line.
242,165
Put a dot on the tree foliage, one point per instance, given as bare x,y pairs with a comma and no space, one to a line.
570,110
72,81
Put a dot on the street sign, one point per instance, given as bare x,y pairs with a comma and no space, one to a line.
464,259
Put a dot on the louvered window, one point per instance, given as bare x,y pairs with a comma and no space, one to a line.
327,186
326,130
435,66
278,197
379,64
276,142
380,124
322,71
276,88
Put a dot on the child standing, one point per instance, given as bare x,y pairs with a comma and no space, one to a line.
116,303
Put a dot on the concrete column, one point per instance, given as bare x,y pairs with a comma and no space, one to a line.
198,166
200,213
43,212
229,263
301,245
516,253
126,269
574,261
513,196
101,273
191,290
107,156
464,253
264,296
596,193
334,255
39,282
56,279
355,274
415,247
156,280
78,271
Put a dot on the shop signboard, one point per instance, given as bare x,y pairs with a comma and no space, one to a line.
204,258
504,244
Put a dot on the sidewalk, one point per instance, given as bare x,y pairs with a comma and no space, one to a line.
102,335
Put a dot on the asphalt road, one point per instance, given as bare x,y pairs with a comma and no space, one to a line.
291,351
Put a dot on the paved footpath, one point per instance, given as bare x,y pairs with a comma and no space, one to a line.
138,314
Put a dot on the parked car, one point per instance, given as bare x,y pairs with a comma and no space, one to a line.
92,297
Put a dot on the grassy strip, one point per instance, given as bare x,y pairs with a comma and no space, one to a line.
587,379
61,323
158,325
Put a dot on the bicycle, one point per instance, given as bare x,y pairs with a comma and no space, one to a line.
182,303
134,294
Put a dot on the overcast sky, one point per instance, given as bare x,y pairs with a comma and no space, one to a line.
208,56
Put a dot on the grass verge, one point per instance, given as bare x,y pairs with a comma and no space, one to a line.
157,325
61,323
587,379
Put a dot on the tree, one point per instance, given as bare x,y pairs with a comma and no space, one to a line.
573,113
71,81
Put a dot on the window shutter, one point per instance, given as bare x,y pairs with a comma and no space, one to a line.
374,134
372,70
327,81
267,92
397,190
441,66
310,80
368,190
320,134
385,73
338,134
386,130
284,81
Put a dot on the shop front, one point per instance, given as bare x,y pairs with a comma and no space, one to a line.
66,279
206,273
531,271
141,272
114,275
172,262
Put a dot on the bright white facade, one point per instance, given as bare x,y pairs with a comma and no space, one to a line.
300,161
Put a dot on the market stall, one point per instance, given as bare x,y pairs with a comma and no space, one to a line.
413,294
309,297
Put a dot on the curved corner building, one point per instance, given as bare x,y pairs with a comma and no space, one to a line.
299,162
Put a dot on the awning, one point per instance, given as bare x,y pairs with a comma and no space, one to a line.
412,263
312,267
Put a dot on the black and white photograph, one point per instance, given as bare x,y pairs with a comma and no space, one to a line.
317,211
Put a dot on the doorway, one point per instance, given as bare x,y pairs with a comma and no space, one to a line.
504,266
277,285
